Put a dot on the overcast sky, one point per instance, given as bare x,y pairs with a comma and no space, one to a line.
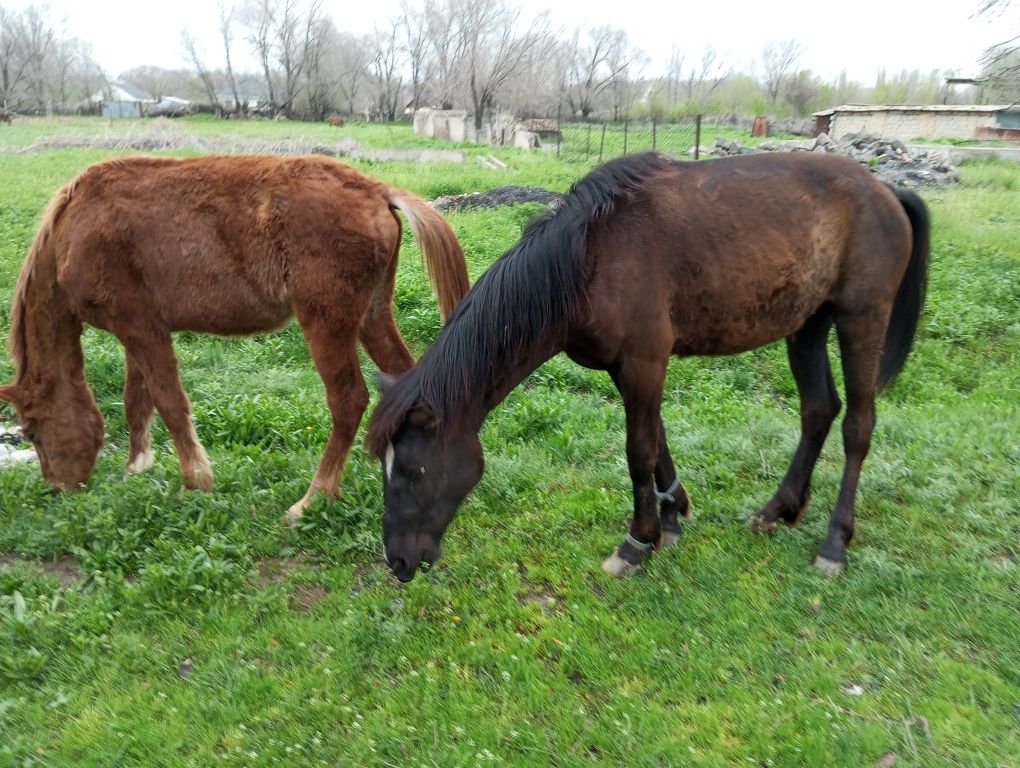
860,36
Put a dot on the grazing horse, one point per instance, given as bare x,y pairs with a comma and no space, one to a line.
142,247
648,258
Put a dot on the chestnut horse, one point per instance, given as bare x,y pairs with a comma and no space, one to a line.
142,247
648,258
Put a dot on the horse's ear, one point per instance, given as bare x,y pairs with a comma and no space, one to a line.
11,393
421,416
385,380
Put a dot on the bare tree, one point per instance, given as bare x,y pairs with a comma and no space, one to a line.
259,19
800,90
448,43
418,49
204,75
38,41
495,47
595,66
386,61
704,80
353,70
1000,63
13,61
227,16
290,48
322,68
777,58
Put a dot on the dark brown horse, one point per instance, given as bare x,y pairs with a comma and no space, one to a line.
648,258
142,247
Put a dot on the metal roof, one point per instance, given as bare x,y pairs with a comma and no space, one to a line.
946,108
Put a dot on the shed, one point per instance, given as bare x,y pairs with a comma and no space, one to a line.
121,99
908,122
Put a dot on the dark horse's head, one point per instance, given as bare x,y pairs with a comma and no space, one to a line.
428,470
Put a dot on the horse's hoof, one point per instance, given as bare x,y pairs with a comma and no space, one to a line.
668,539
760,525
617,566
142,462
293,514
829,568
203,481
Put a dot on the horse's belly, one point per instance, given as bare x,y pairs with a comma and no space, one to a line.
717,325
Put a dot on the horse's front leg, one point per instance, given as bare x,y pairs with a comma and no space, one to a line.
640,383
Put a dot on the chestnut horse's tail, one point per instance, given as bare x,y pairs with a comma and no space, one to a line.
440,250
906,311
41,248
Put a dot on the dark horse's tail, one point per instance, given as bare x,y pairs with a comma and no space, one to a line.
906,309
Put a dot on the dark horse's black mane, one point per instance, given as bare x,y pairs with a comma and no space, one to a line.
535,289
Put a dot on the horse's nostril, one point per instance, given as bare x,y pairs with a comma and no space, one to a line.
398,565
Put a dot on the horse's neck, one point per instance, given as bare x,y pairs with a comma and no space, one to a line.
52,334
501,385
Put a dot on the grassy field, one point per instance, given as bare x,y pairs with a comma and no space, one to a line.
144,625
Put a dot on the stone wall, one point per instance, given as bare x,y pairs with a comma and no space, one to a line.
907,125
444,124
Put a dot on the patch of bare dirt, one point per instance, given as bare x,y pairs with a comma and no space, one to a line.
66,568
274,570
304,596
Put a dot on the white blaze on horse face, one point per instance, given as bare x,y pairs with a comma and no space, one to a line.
389,460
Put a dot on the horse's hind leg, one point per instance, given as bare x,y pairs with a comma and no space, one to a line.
334,351
819,404
139,410
860,340
151,351
379,335
674,502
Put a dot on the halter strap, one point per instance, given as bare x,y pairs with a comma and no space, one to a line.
667,495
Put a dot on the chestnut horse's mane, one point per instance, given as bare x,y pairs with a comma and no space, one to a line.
533,291
17,343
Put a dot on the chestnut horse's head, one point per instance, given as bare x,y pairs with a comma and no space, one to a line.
427,472
64,425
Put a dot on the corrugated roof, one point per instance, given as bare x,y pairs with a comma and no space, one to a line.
964,108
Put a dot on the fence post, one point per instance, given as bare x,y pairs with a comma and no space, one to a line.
625,136
697,137
653,134
559,129
602,144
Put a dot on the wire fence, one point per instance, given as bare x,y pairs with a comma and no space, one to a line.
596,142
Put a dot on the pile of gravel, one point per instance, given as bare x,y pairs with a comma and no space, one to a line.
511,195
888,158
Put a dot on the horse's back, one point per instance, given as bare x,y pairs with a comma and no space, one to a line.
739,252
210,244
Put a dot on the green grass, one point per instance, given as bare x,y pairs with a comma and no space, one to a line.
516,649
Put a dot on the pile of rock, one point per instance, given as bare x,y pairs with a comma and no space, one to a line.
495,197
891,160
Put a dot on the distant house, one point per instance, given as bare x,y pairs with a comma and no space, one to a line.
120,99
908,122
251,92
